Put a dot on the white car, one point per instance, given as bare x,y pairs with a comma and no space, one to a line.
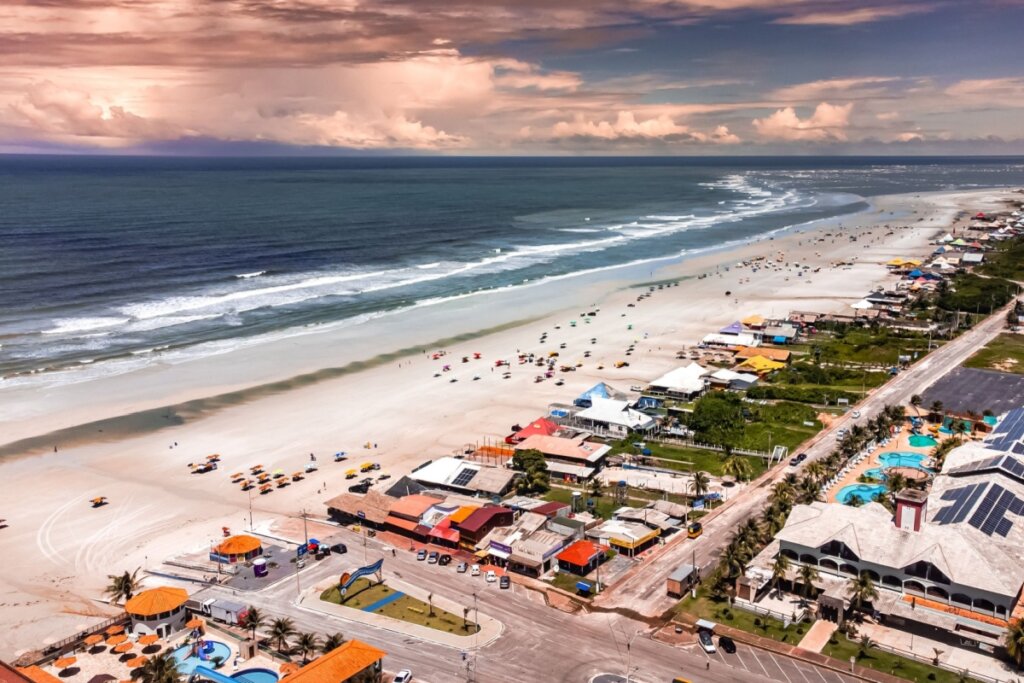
403,676
856,414
474,570
706,642
491,576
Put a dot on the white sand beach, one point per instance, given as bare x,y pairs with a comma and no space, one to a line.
58,550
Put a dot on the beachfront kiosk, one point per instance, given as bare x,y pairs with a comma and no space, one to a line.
158,610
237,549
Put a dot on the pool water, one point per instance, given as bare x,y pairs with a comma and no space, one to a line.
901,459
875,473
187,664
866,492
922,441
256,676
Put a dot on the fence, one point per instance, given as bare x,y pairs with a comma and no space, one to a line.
764,611
53,650
709,447
906,654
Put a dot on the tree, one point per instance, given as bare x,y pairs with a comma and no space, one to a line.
282,630
160,668
123,586
536,478
915,401
895,483
815,470
779,569
1014,642
737,467
700,483
306,644
863,645
595,488
430,603
935,411
331,642
252,620
718,419
861,589
808,575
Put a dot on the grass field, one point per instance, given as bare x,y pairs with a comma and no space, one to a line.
702,459
1004,353
362,593
705,607
842,649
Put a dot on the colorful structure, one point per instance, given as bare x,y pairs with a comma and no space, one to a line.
235,549
158,610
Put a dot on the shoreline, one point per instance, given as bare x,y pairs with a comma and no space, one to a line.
60,551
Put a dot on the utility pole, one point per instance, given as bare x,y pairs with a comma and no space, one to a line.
305,529
629,661
249,489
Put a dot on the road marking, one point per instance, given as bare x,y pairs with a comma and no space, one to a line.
800,669
788,679
761,664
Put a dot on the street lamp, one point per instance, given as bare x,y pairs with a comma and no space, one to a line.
629,667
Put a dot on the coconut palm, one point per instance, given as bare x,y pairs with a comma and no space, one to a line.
783,492
1014,642
700,483
861,589
306,644
252,620
815,470
808,575
936,409
737,467
123,586
915,401
331,642
863,645
779,569
160,668
773,519
895,482
282,630
733,560
807,492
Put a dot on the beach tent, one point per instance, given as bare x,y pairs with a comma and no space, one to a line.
600,390
915,273
959,242
946,238
734,328
540,426
896,262
861,305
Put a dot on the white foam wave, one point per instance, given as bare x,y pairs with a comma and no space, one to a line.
247,276
75,325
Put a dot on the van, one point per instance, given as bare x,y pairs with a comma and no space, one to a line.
694,530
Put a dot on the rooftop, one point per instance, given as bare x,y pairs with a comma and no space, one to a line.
156,600
239,545
560,447
339,664
616,412
480,517
581,553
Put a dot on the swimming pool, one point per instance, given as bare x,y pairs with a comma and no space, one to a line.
922,441
187,664
902,459
875,473
256,676
866,492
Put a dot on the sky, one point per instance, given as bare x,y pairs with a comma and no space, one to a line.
712,77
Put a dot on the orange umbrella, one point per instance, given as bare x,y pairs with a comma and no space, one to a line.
94,639
289,668
136,662
126,646
149,639
195,622
115,629
116,640
65,662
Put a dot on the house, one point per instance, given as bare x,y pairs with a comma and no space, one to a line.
730,379
474,527
598,391
463,476
541,425
683,383
649,517
235,549
782,333
534,554
777,355
352,662
760,366
731,340
629,537
158,610
406,513
371,509
582,557
572,459
972,259
614,417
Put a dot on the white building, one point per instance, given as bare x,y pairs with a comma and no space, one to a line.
683,383
614,417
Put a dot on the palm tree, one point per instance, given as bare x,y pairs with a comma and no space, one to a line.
252,620
863,645
808,575
807,491
773,519
895,483
306,644
1015,641
123,586
160,668
281,630
936,410
737,467
331,642
815,470
733,560
915,401
861,589
783,492
779,569
700,483
595,488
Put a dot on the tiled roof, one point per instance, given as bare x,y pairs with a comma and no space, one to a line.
339,664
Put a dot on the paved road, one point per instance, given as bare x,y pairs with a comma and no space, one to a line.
643,589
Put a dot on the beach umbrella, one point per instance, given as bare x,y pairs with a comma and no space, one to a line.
102,678
149,639
126,646
94,639
288,668
65,662
115,629
195,622
136,662
116,640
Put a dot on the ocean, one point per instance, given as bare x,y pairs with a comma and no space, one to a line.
111,258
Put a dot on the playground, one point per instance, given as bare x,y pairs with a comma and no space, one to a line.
379,598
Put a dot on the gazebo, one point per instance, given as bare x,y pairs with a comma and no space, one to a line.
235,549
158,610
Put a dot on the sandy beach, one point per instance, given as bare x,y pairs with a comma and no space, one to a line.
381,390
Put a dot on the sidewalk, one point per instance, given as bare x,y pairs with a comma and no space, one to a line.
817,636
490,628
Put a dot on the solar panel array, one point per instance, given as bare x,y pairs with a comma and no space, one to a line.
1010,465
989,510
464,477
1008,433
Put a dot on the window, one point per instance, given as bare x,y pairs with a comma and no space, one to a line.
927,570
839,549
848,569
936,592
873,575
890,580
790,554
914,587
962,599
809,559
829,564
984,605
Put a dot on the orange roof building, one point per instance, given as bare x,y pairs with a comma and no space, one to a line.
150,604
778,355
237,549
581,557
462,513
353,660
32,674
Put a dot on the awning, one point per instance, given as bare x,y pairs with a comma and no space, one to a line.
706,625
445,534
481,553
525,561
403,524
500,554
991,629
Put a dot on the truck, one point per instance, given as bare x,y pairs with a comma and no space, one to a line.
224,611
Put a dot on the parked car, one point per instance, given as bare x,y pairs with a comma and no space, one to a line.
505,582
706,641
444,560
462,568
475,570
797,459
359,488
432,557
725,642
403,676
421,555
491,576
856,414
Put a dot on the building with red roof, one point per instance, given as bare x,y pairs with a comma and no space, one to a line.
582,557
541,426
480,522
406,512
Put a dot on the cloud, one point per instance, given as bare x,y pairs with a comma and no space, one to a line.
863,87
989,91
851,17
828,122
627,127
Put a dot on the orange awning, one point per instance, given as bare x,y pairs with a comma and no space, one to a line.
404,524
136,662
115,629
195,622
241,544
156,600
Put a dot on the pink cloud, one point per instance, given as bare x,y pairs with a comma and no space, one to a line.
828,122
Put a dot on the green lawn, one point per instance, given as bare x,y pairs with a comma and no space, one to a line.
1005,353
604,506
363,593
702,459
567,581
705,607
842,648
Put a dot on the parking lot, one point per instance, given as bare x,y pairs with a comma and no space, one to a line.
776,667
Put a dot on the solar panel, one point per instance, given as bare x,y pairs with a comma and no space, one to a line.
985,507
464,477
962,500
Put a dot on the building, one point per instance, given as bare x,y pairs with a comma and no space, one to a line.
534,553
951,561
540,426
570,459
235,549
783,333
600,390
371,509
406,514
158,610
683,383
778,355
25,674
463,476
628,537
649,517
614,417
759,365
731,340
477,525
352,662
582,557
680,581
730,379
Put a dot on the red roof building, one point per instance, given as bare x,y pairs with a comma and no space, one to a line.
551,509
477,525
582,557
541,426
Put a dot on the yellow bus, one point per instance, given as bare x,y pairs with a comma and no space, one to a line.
694,530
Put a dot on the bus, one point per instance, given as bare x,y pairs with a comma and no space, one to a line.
694,530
